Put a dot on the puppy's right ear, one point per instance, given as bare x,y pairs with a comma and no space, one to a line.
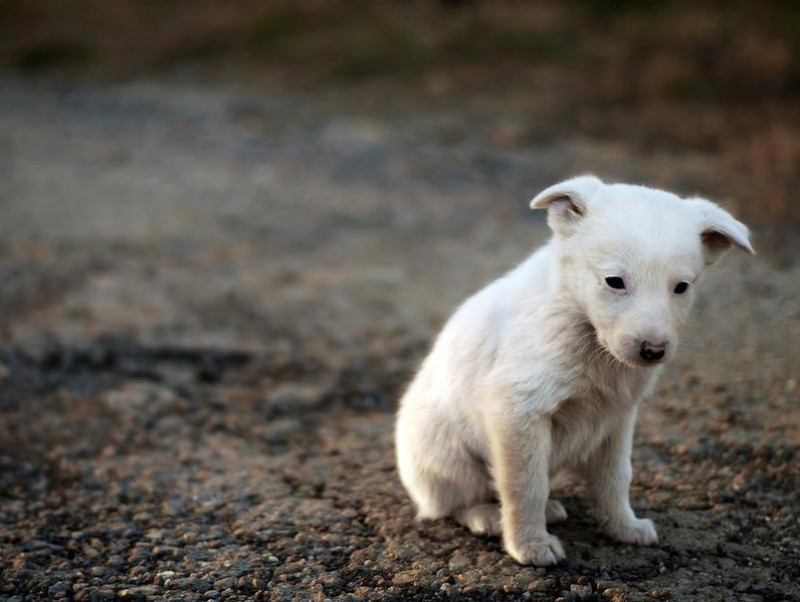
567,202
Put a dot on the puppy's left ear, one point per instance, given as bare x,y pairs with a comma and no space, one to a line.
567,202
720,231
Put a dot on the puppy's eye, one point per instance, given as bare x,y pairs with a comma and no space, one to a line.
615,282
681,288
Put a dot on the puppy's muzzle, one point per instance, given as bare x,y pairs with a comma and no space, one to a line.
652,352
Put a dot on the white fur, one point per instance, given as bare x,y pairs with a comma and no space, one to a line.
541,371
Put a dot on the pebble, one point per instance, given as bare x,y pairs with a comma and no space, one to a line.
141,590
405,578
225,583
581,592
102,594
161,552
459,562
100,571
59,589
541,585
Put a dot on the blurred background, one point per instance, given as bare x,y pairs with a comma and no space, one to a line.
715,78
230,230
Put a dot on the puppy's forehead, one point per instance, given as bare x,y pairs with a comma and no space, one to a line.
645,222
638,208
629,197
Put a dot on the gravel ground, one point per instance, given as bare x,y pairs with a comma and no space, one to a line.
211,297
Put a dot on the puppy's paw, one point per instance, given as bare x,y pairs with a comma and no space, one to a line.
640,531
546,551
555,512
483,519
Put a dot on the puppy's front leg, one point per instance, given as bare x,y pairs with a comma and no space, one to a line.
609,478
521,456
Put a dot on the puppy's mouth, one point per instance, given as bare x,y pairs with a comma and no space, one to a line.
635,362
631,361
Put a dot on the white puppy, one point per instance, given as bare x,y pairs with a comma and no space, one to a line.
542,371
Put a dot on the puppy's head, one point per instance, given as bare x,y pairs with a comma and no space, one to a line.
630,256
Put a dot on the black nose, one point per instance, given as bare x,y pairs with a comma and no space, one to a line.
652,352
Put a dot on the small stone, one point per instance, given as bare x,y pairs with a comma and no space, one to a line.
541,585
103,594
211,594
59,589
405,578
459,562
139,553
331,580
224,583
99,571
141,590
160,552
728,564
581,592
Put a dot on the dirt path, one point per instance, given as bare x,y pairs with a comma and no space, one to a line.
212,296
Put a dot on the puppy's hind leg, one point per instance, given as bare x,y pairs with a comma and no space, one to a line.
461,488
554,512
435,465
482,519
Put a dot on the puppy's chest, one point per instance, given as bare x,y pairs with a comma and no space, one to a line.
586,418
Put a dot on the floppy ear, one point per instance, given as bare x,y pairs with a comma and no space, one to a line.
720,231
567,202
